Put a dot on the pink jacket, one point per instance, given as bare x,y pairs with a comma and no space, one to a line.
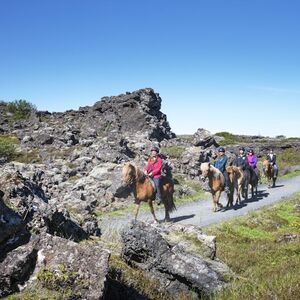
155,167
252,161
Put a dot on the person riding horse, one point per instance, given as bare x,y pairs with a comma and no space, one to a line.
220,164
252,161
271,157
241,160
154,169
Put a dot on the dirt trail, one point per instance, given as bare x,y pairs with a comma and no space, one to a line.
200,212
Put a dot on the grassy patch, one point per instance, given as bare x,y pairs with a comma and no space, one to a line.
8,145
137,278
229,138
173,151
265,268
29,157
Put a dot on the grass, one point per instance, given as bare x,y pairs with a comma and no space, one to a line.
8,145
265,267
137,278
173,151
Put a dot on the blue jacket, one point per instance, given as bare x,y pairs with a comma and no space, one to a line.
220,163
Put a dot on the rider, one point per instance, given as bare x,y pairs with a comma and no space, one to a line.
153,170
252,161
241,159
220,164
271,157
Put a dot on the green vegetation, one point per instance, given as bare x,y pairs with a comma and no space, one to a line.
263,249
136,278
229,138
20,109
8,146
173,151
28,157
287,159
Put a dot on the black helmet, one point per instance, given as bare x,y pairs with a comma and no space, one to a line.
221,149
251,151
242,148
155,148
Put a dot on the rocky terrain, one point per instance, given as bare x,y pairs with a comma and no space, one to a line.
66,174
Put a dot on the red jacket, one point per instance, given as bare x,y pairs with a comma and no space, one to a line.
155,167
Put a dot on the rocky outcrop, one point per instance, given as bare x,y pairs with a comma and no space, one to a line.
204,138
36,246
31,207
75,271
178,269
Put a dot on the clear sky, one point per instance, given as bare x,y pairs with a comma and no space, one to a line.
229,65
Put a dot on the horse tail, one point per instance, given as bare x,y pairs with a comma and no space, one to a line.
169,203
168,200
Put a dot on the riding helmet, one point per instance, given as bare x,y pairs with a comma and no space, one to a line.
155,148
221,149
242,148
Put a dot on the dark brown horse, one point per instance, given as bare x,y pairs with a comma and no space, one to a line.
143,190
269,172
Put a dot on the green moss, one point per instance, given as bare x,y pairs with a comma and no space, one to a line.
265,268
136,278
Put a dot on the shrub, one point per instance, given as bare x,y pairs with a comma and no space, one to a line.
173,151
8,146
229,138
20,109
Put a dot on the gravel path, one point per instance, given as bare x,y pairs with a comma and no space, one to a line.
200,212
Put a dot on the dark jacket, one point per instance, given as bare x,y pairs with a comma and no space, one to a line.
272,160
220,163
241,161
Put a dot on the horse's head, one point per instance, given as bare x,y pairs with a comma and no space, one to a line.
204,170
266,167
128,174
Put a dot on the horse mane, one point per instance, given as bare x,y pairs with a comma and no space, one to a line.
216,172
140,176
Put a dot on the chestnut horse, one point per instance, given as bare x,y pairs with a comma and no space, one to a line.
143,190
269,172
216,182
236,180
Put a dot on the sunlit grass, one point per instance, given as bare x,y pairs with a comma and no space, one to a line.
266,268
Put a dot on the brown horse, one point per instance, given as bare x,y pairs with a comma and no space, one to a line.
143,190
216,182
269,172
236,180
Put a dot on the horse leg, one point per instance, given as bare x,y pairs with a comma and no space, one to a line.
152,210
167,214
239,191
214,202
218,195
137,208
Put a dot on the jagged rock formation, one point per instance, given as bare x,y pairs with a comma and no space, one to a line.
177,268
35,239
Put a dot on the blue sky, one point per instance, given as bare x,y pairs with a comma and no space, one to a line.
222,65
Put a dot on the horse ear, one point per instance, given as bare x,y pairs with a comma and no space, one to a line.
208,164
